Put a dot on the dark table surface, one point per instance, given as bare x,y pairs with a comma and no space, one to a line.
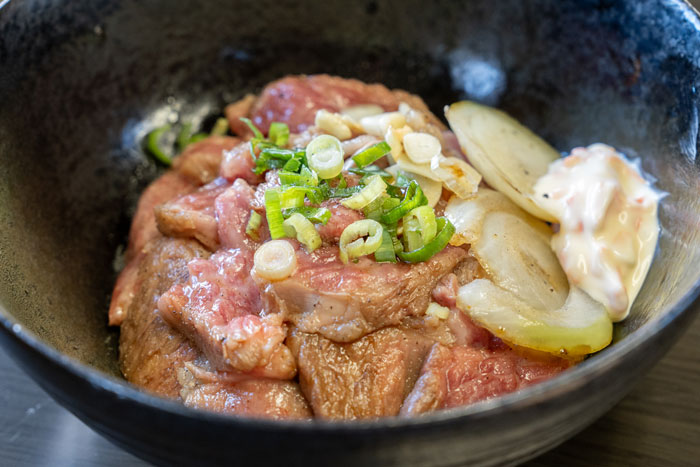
657,424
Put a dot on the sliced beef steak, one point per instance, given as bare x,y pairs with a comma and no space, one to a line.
143,229
200,161
344,302
294,100
220,307
193,215
464,374
238,163
367,378
266,398
150,350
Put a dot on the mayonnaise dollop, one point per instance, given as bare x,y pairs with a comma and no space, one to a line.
608,224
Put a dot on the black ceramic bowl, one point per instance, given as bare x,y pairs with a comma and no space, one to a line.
82,81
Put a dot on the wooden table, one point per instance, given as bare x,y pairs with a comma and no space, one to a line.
657,424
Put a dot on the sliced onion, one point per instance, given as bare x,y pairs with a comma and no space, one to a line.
509,156
275,260
431,189
581,326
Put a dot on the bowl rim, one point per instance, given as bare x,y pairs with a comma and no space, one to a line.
569,380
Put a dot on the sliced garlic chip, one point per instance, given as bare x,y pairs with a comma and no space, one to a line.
332,124
509,156
378,125
458,176
581,326
358,112
421,147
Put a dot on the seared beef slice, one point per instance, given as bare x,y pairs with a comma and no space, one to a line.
344,302
368,378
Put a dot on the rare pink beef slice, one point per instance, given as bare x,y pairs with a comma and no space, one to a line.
238,163
344,302
465,374
294,100
193,215
220,307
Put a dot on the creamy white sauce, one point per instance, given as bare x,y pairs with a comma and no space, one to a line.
608,224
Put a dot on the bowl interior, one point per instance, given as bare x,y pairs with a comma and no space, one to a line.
82,82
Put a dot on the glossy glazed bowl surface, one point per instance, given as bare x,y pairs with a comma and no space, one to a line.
81,82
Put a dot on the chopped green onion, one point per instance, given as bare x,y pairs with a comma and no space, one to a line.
411,233
184,135
385,253
292,197
329,192
390,203
292,165
275,260
253,225
197,137
274,158
413,198
153,145
424,217
220,127
315,215
353,243
299,227
278,134
342,182
371,154
305,178
257,134
371,170
273,212
427,251
324,155
374,209
374,189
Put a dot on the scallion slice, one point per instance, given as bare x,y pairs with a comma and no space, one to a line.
324,155
374,189
371,154
413,198
220,128
273,212
385,253
353,243
370,170
257,134
278,134
427,251
292,197
154,147
254,222
424,217
305,177
315,215
299,227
